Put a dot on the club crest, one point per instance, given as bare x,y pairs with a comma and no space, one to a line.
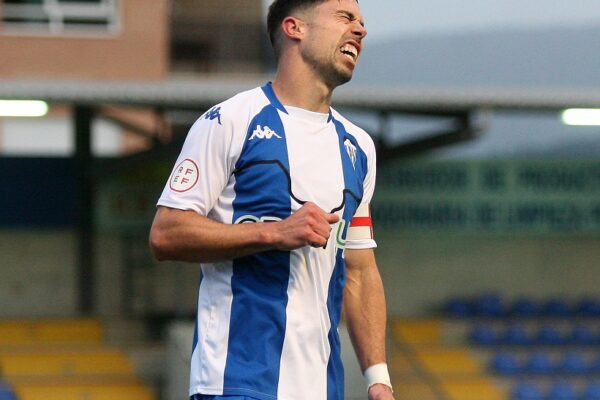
351,150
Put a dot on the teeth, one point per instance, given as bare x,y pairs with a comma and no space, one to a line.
350,51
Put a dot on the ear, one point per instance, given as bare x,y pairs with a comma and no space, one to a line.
293,28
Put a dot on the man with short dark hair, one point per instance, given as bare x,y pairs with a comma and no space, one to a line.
271,194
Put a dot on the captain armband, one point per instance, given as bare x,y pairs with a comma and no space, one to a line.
361,226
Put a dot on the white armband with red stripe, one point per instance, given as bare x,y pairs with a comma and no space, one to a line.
360,232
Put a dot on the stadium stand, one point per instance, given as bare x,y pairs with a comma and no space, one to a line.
486,347
66,359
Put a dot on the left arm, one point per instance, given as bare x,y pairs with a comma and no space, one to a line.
365,313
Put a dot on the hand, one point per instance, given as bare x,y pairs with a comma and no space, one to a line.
380,391
309,226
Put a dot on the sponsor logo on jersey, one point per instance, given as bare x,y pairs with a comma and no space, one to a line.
351,150
213,113
245,219
185,176
263,133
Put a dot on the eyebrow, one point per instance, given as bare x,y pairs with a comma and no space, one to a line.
352,16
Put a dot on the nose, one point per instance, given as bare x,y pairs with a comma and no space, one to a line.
359,30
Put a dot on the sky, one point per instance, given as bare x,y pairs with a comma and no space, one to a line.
386,18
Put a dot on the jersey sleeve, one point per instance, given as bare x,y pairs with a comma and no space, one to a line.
360,232
203,167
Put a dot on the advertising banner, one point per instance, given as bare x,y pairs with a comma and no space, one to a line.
503,196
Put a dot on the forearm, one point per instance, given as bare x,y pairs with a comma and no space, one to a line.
365,312
188,236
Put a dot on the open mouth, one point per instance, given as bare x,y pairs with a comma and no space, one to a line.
349,51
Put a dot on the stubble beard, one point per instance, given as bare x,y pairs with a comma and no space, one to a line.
329,69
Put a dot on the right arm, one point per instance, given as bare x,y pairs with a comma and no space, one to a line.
188,236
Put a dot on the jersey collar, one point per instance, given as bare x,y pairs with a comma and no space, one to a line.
270,93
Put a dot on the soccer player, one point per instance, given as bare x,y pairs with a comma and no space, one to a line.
271,195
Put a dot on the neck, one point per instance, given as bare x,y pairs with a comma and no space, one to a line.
299,86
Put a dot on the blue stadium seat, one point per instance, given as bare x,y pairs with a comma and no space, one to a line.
525,307
483,335
539,363
557,307
6,393
460,307
527,391
562,391
583,335
574,363
490,305
592,391
588,307
516,335
505,364
550,335
594,365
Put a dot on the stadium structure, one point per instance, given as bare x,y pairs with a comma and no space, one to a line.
488,263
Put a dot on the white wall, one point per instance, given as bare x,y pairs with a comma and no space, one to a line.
420,272
37,273
38,276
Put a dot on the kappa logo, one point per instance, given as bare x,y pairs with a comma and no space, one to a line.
263,133
213,113
351,150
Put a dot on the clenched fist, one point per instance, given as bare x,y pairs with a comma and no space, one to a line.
309,226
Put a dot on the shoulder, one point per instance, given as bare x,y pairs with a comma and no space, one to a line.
246,100
364,140
235,112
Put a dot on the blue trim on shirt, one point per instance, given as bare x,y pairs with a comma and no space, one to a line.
270,93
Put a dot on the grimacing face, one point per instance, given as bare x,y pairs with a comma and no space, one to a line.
333,42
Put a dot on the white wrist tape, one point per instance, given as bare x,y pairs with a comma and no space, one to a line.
377,373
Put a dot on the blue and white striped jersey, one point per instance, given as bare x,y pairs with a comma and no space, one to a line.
267,323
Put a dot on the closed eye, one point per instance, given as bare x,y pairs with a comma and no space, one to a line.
350,17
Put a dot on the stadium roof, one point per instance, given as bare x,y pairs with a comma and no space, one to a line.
200,94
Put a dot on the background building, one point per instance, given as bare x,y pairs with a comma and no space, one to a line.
217,36
120,40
